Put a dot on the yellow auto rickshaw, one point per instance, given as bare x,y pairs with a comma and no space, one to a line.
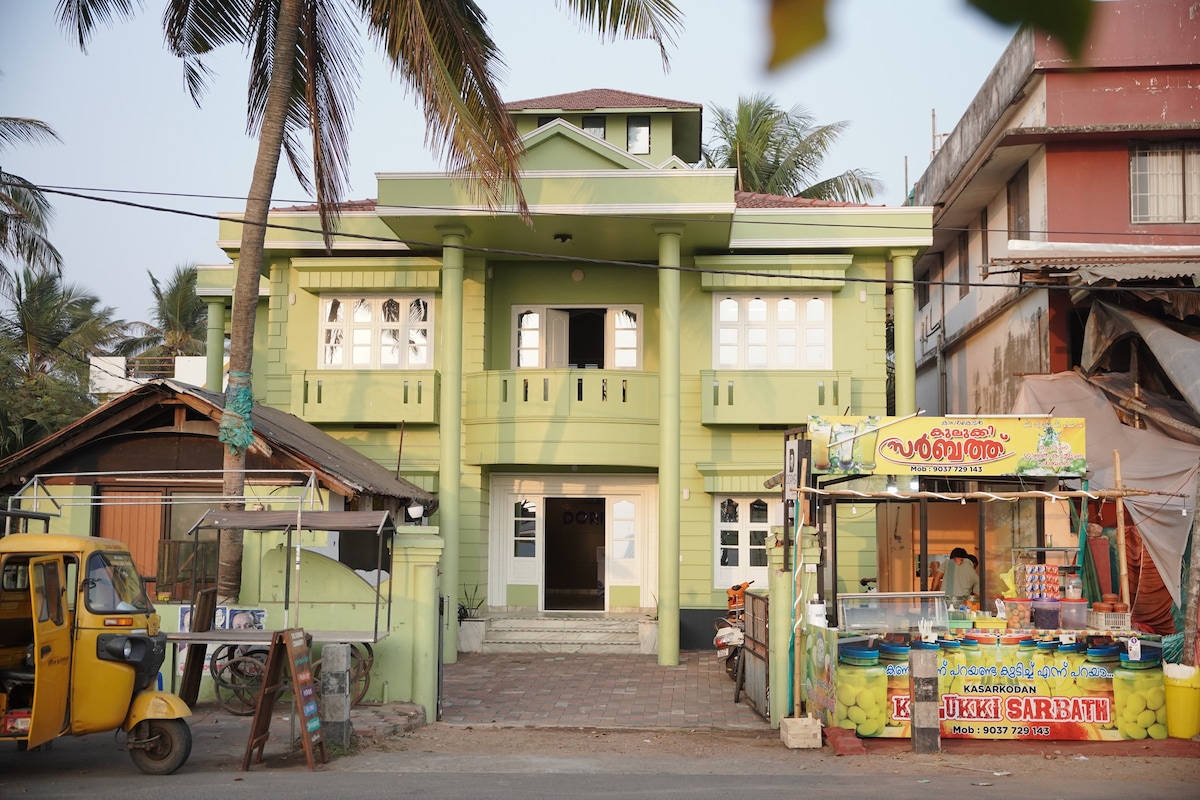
80,650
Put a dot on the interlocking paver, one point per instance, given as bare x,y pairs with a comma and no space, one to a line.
592,691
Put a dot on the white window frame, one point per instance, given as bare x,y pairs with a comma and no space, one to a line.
726,575
544,345
634,125
601,131
1164,182
760,336
369,333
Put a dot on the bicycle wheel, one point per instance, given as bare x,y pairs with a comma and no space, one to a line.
237,683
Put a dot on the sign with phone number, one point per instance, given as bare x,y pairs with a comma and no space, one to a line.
1034,446
998,692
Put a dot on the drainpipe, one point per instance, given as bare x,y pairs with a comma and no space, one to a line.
450,427
941,373
214,364
905,335
668,444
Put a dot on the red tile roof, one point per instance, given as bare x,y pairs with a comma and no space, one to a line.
759,200
346,205
592,99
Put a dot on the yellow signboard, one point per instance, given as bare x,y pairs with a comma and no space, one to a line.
953,446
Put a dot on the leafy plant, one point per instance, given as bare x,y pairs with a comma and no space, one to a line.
468,607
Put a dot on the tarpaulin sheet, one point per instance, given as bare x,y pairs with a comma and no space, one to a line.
1149,461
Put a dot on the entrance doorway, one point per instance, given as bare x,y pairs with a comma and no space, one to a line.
574,558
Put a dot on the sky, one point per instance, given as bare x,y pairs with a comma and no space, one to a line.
130,131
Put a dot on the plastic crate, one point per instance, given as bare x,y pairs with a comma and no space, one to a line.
1109,621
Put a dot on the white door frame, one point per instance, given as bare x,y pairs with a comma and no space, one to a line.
505,489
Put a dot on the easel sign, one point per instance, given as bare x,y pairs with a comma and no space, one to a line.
290,645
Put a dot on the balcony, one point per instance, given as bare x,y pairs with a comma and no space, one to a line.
562,416
770,397
366,396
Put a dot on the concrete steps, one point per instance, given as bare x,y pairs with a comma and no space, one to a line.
559,634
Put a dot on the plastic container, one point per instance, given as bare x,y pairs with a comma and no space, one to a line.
861,692
1139,699
951,681
1072,587
894,659
1183,700
1019,611
1072,614
1045,613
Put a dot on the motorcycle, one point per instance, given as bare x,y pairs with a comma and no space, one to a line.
730,639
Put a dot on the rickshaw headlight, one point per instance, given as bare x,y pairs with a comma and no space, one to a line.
128,649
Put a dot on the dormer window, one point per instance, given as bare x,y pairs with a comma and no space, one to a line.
546,120
638,129
594,125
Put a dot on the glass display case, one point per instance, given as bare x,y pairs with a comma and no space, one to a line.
892,612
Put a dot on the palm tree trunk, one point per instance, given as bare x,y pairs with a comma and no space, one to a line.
249,269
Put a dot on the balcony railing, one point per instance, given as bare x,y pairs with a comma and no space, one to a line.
770,397
534,416
370,396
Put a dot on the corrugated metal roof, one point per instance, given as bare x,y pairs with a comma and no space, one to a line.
1092,270
304,444
309,444
593,99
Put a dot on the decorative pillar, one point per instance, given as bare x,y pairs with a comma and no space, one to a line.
904,332
450,341
414,632
214,363
668,444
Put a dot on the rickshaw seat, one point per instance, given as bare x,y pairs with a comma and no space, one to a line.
15,675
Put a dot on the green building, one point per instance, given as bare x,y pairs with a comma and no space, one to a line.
598,393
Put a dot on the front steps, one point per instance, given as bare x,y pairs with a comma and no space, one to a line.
544,633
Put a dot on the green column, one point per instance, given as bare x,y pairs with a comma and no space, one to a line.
450,340
214,364
423,552
668,444
904,332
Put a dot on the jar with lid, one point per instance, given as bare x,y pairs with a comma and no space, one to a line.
1072,587
1018,612
1073,656
950,671
972,663
893,658
861,691
1100,665
1045,613
1046,668
1139,699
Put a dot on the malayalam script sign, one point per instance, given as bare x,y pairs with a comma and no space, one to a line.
979,446
995,692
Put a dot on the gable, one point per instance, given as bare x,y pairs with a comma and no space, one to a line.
561,146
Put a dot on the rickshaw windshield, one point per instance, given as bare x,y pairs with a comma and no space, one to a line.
114,585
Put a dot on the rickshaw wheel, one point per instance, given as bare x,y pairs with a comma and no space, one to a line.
237,682
163,745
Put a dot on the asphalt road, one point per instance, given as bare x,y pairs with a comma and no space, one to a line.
97,766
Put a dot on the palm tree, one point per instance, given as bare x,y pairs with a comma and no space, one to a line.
180,318
24,210
303,76
781,152
48,331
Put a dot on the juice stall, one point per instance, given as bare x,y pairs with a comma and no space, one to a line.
1026,656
